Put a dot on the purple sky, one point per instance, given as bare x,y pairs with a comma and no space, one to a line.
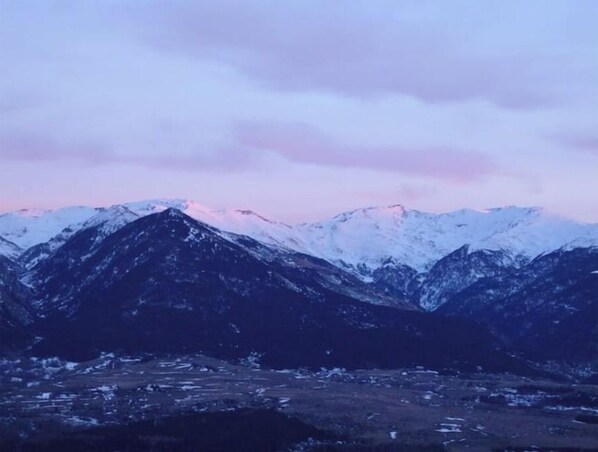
300,109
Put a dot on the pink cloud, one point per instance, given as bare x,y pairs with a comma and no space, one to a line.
250,143
302,143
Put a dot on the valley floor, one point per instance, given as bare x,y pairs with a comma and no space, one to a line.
45,401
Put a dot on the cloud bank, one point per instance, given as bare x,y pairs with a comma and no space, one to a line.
372,50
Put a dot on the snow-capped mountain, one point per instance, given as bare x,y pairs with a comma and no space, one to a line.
386,256
408,254
371,236
28,227
167,283
73,249
237,221
105,221
365,239
362,240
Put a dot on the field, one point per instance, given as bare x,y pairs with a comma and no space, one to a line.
45,401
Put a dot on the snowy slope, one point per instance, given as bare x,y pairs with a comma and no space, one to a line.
362,240
371,236
9,249
29,227
110,219
245,222
106,220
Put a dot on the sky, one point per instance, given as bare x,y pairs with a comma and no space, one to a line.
300,109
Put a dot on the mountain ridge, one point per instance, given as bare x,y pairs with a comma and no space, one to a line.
167,282
61,268
361,240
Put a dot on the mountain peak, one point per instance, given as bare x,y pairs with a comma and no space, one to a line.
251,213
109,219
172,212
159,205
397,208
393,210
172,215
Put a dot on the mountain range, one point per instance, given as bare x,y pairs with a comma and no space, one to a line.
362,240
165,274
